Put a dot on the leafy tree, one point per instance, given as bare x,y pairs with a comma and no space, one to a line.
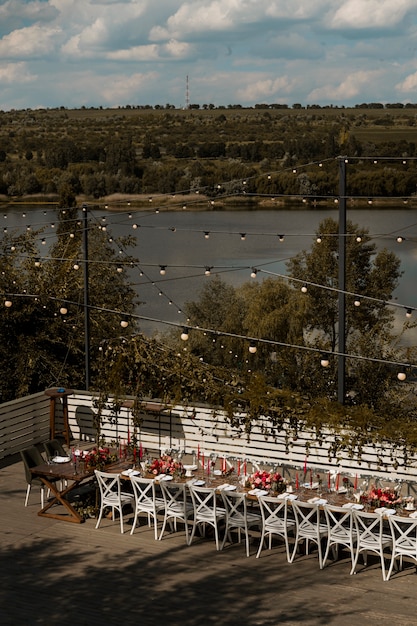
369,273
41,346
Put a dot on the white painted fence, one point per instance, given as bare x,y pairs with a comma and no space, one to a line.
25,422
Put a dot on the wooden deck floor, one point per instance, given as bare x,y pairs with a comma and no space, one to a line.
53,572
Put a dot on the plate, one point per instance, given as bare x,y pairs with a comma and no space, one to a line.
227,487
199,483
61,459
163,477
217,472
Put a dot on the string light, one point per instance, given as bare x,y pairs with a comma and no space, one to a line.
8,303
162,270
254,272
324,361
252,347
401,376
63,310
243,236
409,313
184,334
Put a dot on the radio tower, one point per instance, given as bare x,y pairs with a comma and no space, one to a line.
187,93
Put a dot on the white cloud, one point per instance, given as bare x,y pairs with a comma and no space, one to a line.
267,88
33,41
349,88
371,14
409,84
13,73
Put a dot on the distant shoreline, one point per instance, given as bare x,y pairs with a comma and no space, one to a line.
200,202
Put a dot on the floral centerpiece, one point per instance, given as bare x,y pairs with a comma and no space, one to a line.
166,464
269,481
377,496
98,457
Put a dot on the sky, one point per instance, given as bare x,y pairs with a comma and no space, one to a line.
112,53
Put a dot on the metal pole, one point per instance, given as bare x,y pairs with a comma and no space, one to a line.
341,367
86,300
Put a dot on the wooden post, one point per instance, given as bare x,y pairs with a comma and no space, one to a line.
54,394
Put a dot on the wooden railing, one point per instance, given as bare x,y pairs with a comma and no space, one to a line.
25,422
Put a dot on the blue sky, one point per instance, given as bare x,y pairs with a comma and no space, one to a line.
77,53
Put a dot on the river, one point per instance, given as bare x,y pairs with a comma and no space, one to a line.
188,242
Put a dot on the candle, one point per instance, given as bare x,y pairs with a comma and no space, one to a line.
305,466
208,467
328,481
311,478
140,451
134,455
198,452
224,465
356,482
238,467
297,484
244,468
128,434
337,481
202,460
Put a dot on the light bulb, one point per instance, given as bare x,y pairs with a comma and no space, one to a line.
184,334
319,239
243,236
207,271
401,376
400,239
8,303
76,266
206,235
252,347
119,269
357,303
254,272
124,323
304,288
408,313
162,270
324,362
63,310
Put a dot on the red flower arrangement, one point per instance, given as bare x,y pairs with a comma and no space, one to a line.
377,496
165,465
97,457
270,481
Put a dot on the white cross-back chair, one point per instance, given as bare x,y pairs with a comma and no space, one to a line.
340,531
111,495
370,537
146,501
275,521
404,540
206,511
176,506
238,517
309,526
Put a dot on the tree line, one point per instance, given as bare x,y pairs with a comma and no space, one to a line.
148,152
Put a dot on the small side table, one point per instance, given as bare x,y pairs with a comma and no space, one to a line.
54,394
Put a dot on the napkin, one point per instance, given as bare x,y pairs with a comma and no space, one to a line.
353,505
198,483
319,501
227,487
286,496
258,492
384,511
130,472
413,515
61,459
